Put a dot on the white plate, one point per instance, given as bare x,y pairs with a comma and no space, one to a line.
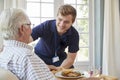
59,74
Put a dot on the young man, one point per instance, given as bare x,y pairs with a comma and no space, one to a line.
17,56
55,36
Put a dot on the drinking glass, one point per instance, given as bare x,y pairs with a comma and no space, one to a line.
94,71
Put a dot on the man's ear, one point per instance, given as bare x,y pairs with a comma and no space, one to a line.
21,30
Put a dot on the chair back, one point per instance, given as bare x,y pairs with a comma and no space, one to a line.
7,75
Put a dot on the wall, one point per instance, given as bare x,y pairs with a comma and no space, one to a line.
119,5
1,5
12,4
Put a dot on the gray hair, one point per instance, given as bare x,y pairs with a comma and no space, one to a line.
10,22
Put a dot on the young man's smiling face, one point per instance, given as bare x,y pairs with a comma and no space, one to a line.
63,23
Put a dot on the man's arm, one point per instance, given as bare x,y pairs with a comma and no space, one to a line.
68,62
52,67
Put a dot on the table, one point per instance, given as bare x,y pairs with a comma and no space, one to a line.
91,78
100,77
81,78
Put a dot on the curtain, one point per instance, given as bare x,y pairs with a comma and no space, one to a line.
14,4
111,39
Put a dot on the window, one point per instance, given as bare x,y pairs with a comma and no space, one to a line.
82,26
41,10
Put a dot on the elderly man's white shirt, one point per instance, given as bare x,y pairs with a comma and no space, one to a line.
20,59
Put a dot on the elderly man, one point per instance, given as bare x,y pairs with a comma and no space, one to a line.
17,56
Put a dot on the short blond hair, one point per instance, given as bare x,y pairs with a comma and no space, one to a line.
67,10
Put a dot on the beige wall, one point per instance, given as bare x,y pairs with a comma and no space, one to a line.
12,4
1,5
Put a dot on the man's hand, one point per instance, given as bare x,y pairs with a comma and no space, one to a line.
52,67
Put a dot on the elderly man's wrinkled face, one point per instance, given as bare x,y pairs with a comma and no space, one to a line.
26,32
63,23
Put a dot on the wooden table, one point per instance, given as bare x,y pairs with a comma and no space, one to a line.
101,77
91,78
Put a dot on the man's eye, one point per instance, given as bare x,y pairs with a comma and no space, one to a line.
66,22
60,19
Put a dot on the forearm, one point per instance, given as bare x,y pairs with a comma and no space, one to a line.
52,67
67,63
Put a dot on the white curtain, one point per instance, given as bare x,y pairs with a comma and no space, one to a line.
14,4
111,41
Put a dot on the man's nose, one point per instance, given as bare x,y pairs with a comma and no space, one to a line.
62,23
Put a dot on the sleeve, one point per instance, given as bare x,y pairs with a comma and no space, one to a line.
43,30
74,42
38,31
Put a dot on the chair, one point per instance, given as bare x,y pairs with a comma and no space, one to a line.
7,75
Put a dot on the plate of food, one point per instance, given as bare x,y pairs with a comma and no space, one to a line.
69,74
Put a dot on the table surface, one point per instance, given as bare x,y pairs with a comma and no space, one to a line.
99,77
81,78
91,78
102,77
